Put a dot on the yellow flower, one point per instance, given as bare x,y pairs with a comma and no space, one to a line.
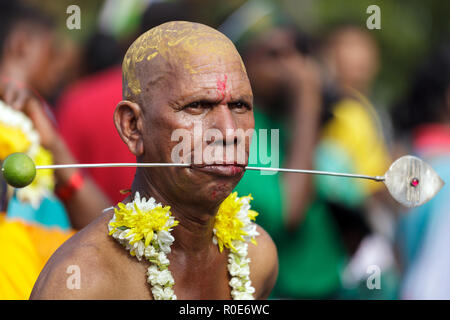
43,183
142,224
140,219
17,134
229,225
44,177
12,140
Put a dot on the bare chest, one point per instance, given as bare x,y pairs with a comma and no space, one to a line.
199,281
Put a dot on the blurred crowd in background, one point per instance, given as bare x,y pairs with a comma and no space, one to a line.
345,99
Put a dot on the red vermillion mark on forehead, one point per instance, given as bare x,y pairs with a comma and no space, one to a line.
222,87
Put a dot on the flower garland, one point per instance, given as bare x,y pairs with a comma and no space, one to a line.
17,134
143,228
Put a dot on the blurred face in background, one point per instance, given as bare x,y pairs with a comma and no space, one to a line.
266,60
43,61
31,55
351,56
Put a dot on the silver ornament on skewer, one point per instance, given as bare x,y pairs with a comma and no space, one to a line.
409,180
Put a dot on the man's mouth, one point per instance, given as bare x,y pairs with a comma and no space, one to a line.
227,170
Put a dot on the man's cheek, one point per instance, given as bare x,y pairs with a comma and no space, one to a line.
181,146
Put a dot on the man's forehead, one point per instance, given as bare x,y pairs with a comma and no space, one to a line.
185,45
212,87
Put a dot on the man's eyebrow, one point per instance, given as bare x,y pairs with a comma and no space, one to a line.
245,97
214,99
197,97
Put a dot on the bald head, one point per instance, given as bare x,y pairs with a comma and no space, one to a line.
186,48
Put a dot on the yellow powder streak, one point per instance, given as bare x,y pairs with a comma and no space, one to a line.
174,40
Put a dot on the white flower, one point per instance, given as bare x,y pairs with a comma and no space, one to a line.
249,288
122,234
14,118
241,288
250,229
150,252
241,248
162,259
160,293
143,204
235,282
165,240
33,195
128,235
239,295
244,271
41,186
161,278
233,268
214,238
139,249
235,258
152,272
165,278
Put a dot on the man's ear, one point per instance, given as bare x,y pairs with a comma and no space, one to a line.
128,121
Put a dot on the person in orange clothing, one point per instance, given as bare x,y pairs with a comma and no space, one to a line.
25,249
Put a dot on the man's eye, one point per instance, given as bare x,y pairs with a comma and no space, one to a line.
199,105
239,105
193,105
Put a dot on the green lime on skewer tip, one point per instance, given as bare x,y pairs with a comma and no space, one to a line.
19,170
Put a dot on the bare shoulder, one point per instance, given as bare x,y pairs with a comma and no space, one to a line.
81,268
263,264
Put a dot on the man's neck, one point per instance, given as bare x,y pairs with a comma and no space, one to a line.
195,229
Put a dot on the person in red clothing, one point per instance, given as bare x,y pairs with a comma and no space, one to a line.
85,109
85,114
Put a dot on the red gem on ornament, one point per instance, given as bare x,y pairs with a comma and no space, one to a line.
414,182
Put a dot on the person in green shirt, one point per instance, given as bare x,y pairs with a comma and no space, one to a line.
301,212
310,251
311,255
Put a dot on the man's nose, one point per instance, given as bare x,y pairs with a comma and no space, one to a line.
224,120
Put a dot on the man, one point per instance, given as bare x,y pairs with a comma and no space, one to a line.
178,75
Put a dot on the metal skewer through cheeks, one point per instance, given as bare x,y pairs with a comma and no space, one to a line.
409,180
